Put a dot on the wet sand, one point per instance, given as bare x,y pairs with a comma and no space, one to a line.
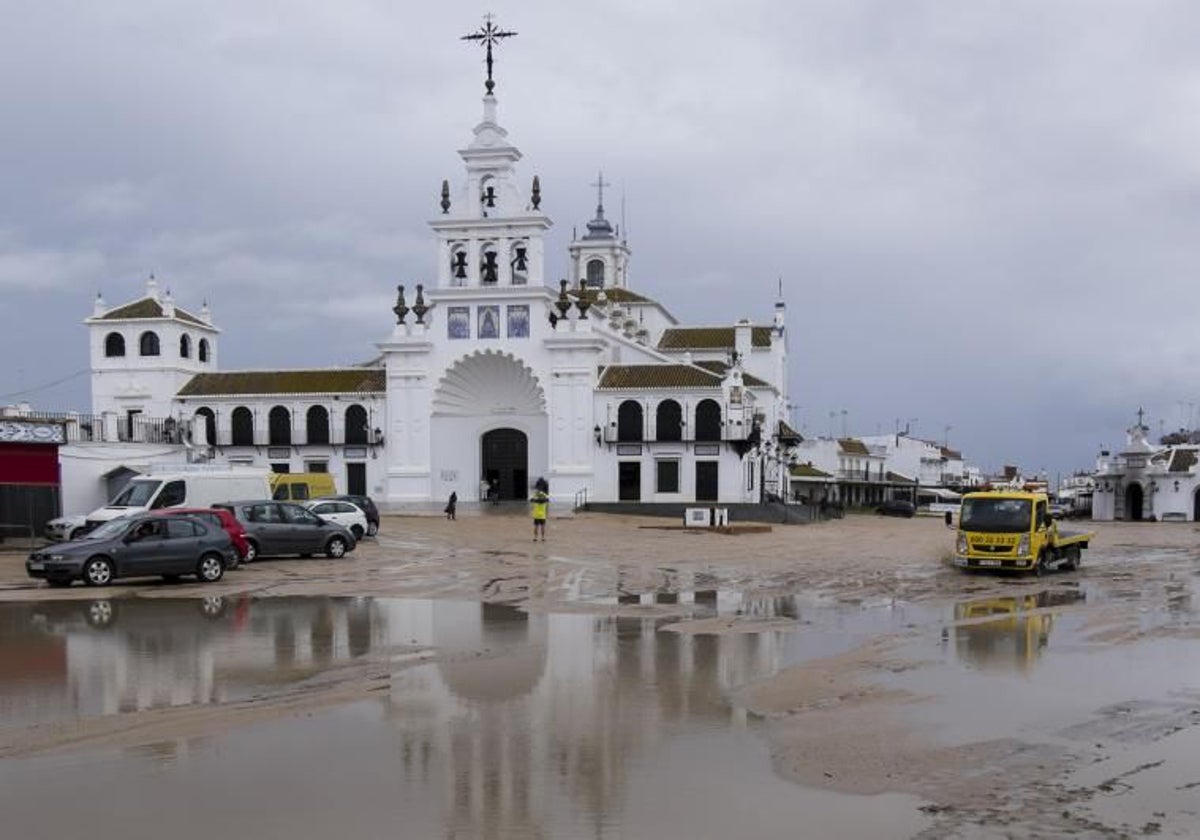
987,706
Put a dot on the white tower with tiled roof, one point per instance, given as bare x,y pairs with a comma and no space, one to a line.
143,352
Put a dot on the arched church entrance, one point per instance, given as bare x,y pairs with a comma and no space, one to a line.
505,460
1133,502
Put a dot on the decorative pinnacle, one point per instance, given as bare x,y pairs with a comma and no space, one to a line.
488,35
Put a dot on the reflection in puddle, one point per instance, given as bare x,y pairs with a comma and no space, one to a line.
524,725
1009,631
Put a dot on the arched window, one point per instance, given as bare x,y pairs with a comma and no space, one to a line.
202,350
356,425
279,427
185,347
668,421
629,421
148,344
317,425
595,273
708,420
204,426
114,345
242,426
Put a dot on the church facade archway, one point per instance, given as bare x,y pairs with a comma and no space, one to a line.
504,460
1133,502
489,424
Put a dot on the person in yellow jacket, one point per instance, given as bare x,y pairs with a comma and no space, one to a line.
540,503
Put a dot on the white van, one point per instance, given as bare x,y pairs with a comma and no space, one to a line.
183,489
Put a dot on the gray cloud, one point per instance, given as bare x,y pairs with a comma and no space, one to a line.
983,213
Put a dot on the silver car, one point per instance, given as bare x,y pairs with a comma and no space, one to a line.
274,528
137,546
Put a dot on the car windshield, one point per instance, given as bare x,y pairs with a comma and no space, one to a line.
136,494
1008,516
108,530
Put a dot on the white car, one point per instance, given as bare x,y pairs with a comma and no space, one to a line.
65,528
348,515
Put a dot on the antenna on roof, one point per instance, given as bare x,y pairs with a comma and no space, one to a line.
624,227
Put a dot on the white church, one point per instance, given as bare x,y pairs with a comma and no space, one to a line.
487,374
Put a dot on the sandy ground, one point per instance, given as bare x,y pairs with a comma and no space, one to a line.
833,723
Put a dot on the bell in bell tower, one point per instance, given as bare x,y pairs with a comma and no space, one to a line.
490,230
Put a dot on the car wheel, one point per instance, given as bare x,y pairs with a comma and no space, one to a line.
100,613
98,571
212,606
210,568
357,531
372,529
335,548
251,551
171,578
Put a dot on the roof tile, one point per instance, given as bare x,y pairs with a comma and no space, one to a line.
332,381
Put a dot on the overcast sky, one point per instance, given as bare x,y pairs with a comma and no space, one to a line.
984,213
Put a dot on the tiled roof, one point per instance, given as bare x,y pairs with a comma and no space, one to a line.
1182,460
710,338
657,376
807,471
897,478
719,368
333,381
853,446
147,308
614,294
786,432
951,454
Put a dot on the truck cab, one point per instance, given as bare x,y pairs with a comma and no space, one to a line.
1014,530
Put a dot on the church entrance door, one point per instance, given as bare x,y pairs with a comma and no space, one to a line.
1133,502
505,462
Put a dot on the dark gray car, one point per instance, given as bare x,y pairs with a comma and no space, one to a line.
274,528
136,546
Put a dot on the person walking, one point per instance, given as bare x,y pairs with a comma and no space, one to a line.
452,505
540,503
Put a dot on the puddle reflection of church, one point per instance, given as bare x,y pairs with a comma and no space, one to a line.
529,719
489,374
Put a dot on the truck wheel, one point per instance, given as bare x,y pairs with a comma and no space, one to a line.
1074,556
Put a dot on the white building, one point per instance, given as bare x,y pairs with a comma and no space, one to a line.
1147,482
488,374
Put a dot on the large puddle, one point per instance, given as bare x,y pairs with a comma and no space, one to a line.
478,720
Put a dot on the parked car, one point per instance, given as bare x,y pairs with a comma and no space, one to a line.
65,528
137,546
1058,511
223,519
363,503
274,528
897,507
347,515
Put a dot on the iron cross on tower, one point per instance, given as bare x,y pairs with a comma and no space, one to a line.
488,35
600,184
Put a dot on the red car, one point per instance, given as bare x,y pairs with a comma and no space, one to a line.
218,518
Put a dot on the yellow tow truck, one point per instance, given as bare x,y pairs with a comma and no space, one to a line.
1013,530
